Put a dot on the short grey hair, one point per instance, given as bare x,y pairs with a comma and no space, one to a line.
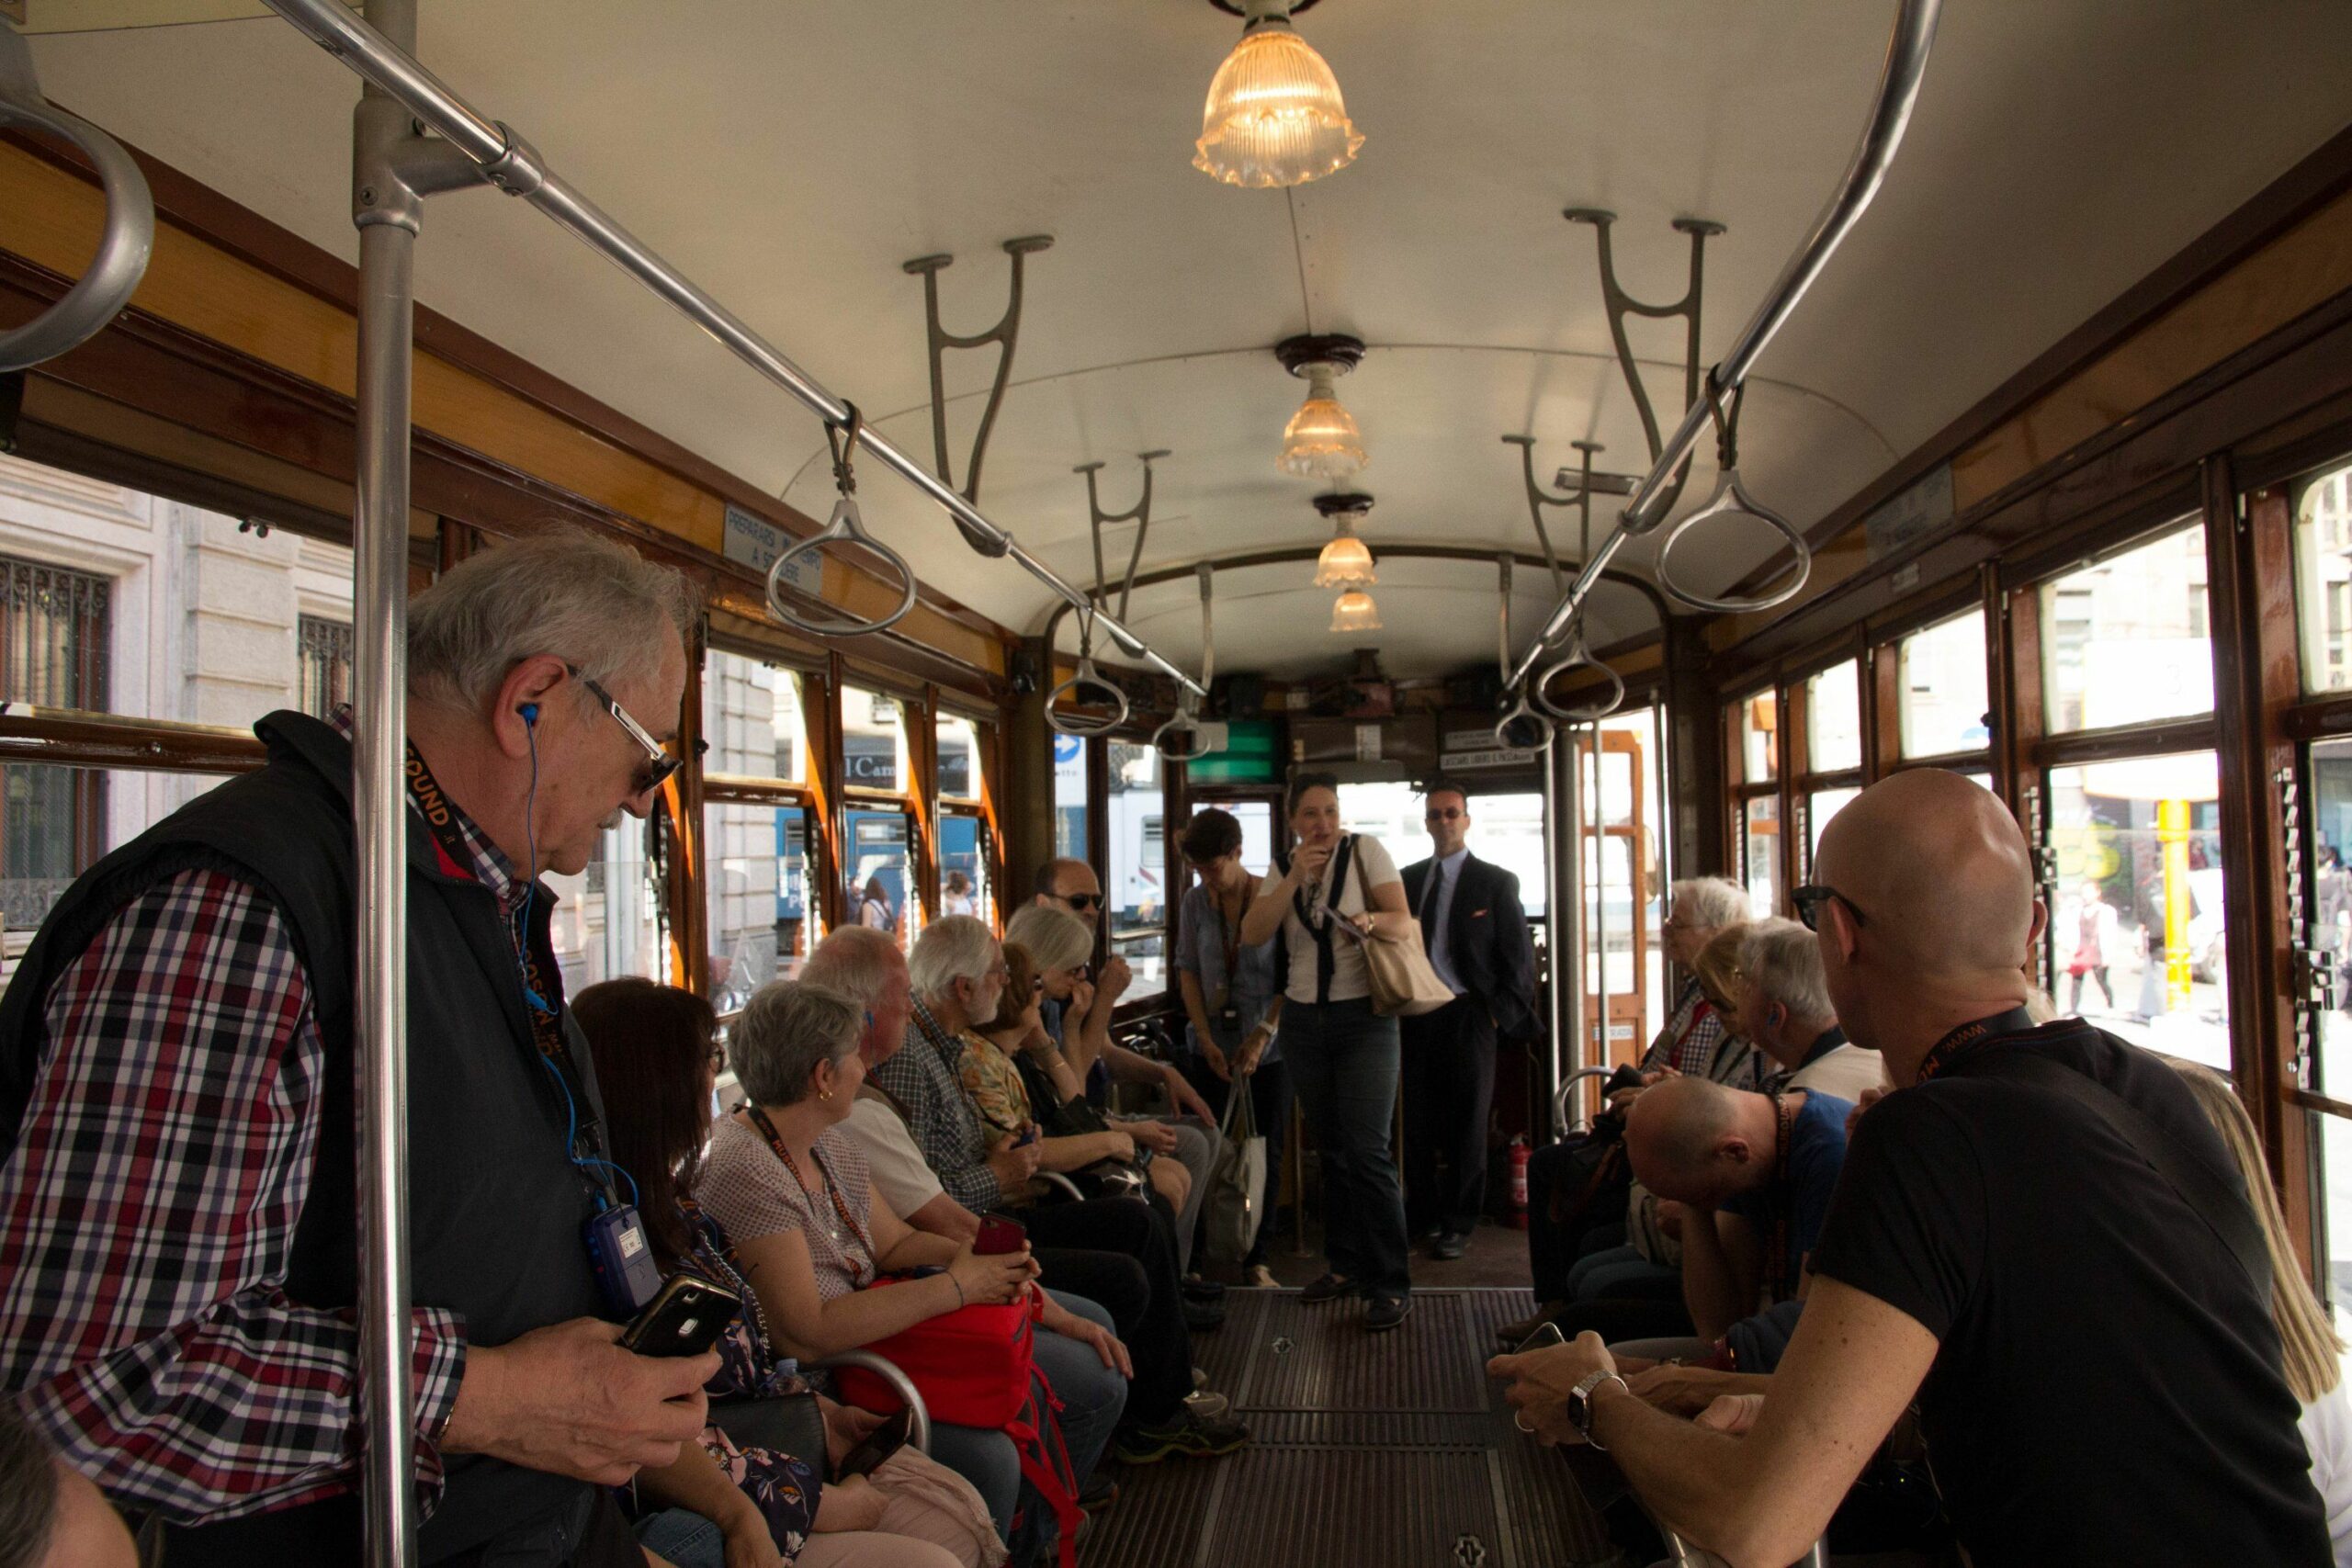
1785,961
958,947
856,961
590,601
784,1031
1054,939
1713,901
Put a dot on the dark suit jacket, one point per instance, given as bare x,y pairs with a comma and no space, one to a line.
1487,941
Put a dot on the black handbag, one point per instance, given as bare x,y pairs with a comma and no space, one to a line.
1077,1118
788,1424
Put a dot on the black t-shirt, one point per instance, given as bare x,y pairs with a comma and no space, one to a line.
2108,1385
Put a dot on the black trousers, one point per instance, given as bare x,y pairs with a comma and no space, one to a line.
1158,1342
1449,1082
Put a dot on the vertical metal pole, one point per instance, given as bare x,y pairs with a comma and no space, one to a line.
1564,939
1600,894
379,614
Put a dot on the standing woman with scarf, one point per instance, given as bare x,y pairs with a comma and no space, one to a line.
1338,891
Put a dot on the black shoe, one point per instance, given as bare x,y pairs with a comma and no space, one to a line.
1386,1312
1330,1288
1201,1317
1199,1289
1449,1245
1190,1436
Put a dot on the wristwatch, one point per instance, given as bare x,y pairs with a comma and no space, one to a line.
1580,1405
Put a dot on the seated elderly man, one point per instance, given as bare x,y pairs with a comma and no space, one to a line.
1748,1177
956,973
2107,1378
1780,1004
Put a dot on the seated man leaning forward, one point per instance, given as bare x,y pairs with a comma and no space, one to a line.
1748,1180
2106,1383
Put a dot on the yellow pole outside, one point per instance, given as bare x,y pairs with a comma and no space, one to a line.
2172,834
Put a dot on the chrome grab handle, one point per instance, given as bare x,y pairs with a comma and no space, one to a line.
1731,499
1055,1179
1185,722
845,528
1064,724
1560,1096
1187,718
1521,728
901,1384
124,246
1577,659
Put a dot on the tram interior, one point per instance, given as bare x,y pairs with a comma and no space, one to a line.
2044,479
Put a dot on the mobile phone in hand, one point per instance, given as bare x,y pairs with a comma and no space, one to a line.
999,1235
1542,1338
685,1317
877,1445
1028,1136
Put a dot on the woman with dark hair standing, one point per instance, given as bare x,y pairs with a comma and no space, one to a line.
1233,1000
1343,1057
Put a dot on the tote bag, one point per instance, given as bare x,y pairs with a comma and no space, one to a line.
1236,1181
1403,983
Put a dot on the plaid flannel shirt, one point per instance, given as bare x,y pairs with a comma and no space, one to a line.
925,1076
148,1213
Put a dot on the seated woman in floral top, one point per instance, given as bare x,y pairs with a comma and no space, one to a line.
656,1053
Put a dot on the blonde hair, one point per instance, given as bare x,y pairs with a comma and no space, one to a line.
2309,1343
1718,966
1055,939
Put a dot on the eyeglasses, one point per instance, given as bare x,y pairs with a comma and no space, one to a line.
1809,899
1081,900
659,761
1448,815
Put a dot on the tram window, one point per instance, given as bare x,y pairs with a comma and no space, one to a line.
2329,887
1506,830
764,918
1257,819
1943,686
324,647
2334,1136
959,758
881,873
1135,890
56,822
965,853
1834,719
752,719
2137,908
1069,798
874,742
1759,737
1761,853
608,917
2124,641
2324,580
1819,807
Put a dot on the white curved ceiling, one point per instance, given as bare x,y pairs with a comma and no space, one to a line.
790,156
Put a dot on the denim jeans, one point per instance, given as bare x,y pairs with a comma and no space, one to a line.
682,1540
1343,1061
1092,1396
1621,1272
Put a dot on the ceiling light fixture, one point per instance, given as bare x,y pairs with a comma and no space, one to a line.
1354,612
1321,442
1274,116
1346,561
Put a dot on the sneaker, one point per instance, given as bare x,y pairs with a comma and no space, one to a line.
1262,1278
1386,1312
1199,1379
1330,1288
1449,1245
1188,1437
1201,1317
1196,1289
1099,1493
1511,1336
1207,1405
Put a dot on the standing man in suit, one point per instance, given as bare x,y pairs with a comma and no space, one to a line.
1476,930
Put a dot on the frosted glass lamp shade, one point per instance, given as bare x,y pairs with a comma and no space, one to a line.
1354,612
1346,561
1321,442
1274,116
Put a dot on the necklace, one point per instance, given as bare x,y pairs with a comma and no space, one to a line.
831,1189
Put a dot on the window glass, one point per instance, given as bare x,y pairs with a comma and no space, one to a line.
1760,735
2329,888
1941,687
1834,719
2136,910
874,742
960,740
57,822
881,873
1069,797
2125,641
608,919
1257,819
1505,830
1137,889
2324,580
752,719
1760,845
2333,1136
1819,807
325,647
965,887
764,918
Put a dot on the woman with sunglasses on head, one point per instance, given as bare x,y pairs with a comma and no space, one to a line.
658,1060
1344,1058
1233,1000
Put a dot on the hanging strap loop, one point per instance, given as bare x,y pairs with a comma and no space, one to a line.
1086,678
844,527
1577,659
1186,720
1731,500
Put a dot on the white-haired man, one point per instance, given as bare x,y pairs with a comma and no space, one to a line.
1782,1006
176,1050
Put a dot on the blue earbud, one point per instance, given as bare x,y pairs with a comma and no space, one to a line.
530,712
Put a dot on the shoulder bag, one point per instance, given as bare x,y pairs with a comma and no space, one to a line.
1403,983
1232,1212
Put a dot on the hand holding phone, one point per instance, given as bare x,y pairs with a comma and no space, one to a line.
1028,1136
998,1235
877,1445
685,1317
1543,1338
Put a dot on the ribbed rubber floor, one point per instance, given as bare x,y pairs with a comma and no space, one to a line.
1372,1450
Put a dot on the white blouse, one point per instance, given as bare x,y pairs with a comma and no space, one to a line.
1372,868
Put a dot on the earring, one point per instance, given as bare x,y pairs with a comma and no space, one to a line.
824,1094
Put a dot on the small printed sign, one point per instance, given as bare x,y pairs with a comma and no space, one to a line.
1492,757
756,541
1916,512
1367,743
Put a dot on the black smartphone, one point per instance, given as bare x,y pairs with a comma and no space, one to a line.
879,1444
1542,1338
685,1317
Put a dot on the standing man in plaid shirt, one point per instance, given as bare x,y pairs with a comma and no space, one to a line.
178,1243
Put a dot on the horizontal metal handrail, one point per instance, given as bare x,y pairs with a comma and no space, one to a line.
513,166
1898,91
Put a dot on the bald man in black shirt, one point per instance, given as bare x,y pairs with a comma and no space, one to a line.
2098,1373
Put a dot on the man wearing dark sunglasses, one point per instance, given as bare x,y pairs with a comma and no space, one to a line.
1474,928
544,680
